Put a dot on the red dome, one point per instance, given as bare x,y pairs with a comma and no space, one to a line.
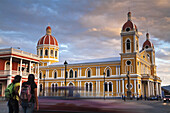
128,24
48,39
48,27
148,42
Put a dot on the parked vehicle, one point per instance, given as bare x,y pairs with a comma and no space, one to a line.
166,98
152,98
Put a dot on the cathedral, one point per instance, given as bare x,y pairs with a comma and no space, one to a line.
101,77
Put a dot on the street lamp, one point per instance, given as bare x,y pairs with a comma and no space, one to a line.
65,64
104,84
44,86
129,91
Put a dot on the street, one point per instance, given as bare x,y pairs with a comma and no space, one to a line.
97,105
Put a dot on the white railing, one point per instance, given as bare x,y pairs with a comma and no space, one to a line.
7,72
4,72
18,52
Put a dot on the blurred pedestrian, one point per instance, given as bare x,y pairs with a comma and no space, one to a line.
145,97
28,102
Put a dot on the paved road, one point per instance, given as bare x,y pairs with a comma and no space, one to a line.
97,105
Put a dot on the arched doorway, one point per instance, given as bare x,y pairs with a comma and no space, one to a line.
70,84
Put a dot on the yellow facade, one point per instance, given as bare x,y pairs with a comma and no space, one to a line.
89,75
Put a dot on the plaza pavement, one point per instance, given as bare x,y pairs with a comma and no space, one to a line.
56,105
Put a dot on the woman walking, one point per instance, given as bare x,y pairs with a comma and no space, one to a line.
30,88
13,102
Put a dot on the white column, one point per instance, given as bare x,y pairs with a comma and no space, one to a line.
43,52
123,87
160,92
99,88
20,75
78,73
134,41
121,45
10,68
116,87
35,68
119,88
49,53
156,88
80,87
38,86
98,71
96,87
107,88
30,67
148,89
153,88
134,86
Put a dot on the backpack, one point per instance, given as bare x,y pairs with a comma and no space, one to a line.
9,91
26,93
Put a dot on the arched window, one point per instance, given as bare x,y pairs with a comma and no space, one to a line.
41,52
86,86
55,74
105,86
55,53
136,45
108,72
90,86
40,76
71,73
46,52
51,52
88,73
110,86
7,65
56,87
52,87
40,87
128,44
75,74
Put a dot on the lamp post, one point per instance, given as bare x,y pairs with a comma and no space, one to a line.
104,84
129,91
124,87
137,91
44,86
65,64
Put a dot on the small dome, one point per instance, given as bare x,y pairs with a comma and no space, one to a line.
48,38
48,28
128,26
147,44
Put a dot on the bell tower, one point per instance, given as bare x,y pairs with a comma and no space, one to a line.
129,46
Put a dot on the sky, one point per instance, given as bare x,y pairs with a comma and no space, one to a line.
86,29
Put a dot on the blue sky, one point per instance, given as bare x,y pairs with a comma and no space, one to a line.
86,29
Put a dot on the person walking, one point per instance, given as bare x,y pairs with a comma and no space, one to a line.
29,89
13,102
